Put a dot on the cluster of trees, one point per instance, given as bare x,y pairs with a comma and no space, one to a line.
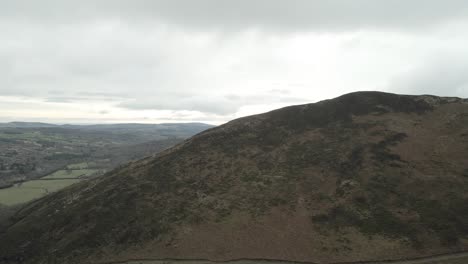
18,167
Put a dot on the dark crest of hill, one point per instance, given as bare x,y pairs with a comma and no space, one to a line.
365,176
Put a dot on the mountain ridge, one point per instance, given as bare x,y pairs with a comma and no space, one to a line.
365,176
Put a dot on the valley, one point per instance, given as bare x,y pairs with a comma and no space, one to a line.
34,150
37,159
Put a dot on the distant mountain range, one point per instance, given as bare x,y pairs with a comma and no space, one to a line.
18,124
26,125
365,176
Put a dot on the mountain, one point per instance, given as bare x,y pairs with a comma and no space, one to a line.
365,176
26,125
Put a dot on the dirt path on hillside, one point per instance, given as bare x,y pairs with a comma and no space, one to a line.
458,258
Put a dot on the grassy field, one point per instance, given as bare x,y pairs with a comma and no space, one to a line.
31,190
71,174
32,135
78,166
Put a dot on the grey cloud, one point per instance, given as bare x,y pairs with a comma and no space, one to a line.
443,77
78,61
241,14
226,105
71,99
102,94
59,99
174,54
279,91
233,97
204,105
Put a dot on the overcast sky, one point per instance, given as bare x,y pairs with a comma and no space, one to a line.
95,61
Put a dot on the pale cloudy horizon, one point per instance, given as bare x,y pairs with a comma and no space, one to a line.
213,61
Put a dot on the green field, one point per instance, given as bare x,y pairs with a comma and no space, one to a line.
78,166
31,190
71,174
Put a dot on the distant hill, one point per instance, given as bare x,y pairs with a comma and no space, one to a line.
165,129
26,125
183,128
365,176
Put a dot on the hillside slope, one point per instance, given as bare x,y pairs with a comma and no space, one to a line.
365,176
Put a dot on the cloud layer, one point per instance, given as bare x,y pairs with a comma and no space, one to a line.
212,60
241,14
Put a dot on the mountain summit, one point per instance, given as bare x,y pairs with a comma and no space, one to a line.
365,176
